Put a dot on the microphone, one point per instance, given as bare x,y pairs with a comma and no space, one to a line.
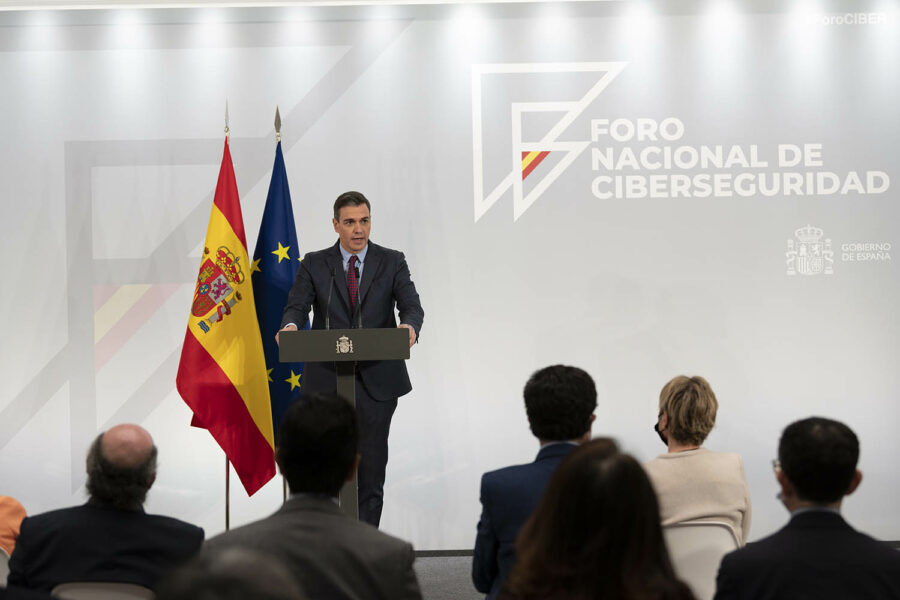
328,303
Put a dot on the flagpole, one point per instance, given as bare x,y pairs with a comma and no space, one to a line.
277,124
227,463
226,119
278,140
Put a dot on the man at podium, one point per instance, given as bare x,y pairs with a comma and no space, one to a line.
356,284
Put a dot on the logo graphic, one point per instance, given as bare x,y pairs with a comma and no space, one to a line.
807,254
524,157
215,284
344,345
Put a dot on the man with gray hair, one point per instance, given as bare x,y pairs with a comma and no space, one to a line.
110,538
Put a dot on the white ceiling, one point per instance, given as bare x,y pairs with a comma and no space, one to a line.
10,5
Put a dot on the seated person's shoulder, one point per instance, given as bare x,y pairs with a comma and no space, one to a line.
506,476
877,550
653,463
53,518
380,548
173,526
731,457
778,547
658,468
671,471
729,467
724,461
9,505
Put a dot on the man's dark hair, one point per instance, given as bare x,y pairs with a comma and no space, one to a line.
120,487
317,443
819,458
559,401
349,199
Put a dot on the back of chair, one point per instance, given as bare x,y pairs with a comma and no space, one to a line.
4,567
95,590
696,549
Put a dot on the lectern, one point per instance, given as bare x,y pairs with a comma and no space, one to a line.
344,347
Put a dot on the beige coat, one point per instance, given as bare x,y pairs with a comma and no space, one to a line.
702,485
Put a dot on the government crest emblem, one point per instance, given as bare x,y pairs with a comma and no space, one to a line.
344,345
216,287
808,254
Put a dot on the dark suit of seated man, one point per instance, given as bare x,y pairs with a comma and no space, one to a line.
17,593
817,555
332,556
110,538
560,403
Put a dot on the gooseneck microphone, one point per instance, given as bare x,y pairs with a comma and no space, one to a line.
328,302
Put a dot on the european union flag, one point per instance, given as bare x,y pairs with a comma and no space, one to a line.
275,263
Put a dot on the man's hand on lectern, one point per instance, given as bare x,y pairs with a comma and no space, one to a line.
288,327
412,333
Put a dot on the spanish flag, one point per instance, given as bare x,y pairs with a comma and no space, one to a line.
222,375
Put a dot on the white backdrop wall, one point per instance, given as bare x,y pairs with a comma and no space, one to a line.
777,283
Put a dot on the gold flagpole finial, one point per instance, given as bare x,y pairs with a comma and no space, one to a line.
277,124
226,117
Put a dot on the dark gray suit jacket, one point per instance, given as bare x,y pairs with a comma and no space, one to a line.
385,282
816,556
332,556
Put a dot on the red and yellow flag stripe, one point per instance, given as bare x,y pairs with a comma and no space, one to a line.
530,161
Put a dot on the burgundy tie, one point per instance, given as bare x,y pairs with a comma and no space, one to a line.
352,282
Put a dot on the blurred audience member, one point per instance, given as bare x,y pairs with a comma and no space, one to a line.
17,593
560,403
817,554
332,556
11,515
692,482
230,574
596,534
110,538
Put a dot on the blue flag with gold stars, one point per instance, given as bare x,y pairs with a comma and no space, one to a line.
275,263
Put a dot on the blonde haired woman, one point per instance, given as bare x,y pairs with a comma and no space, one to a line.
692,482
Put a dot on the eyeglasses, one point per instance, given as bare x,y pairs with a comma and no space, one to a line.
776,464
